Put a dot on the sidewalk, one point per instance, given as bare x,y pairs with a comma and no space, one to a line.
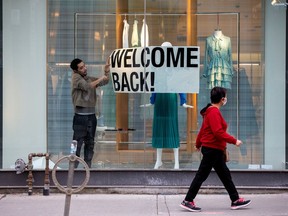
137,205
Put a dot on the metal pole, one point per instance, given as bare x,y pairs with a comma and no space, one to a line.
69,187
69,190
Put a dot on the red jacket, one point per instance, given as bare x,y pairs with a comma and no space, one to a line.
213,130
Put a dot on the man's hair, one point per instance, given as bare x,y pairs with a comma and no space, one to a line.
74,64
216,94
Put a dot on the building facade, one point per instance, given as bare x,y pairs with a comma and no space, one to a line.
40,38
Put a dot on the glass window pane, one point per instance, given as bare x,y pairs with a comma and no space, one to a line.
91,30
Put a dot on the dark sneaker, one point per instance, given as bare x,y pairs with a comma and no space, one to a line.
190,206
240,203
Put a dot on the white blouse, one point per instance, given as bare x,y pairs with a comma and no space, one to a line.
144,35
135,37
125,34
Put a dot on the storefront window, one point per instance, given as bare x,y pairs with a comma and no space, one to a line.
91,30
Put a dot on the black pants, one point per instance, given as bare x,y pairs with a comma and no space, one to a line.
84,127
212,158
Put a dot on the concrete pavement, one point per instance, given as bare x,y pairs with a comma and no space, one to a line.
138,205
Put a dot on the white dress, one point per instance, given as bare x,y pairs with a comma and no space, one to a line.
125,34
135,37
144,35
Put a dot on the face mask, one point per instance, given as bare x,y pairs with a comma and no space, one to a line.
224,101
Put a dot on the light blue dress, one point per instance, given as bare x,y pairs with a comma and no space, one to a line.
218,65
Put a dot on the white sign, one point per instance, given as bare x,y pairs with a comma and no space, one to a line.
156,69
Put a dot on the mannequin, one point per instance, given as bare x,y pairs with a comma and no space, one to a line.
218,64
218,33
159,158
165,123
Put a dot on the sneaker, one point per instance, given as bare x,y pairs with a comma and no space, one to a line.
240,203
190,206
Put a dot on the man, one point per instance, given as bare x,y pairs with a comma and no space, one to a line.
83,89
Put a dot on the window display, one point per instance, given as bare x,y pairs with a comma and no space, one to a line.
124,137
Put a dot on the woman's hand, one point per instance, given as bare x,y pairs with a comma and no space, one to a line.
238,143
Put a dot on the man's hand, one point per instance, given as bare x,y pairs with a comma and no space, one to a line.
107,67
187,106
103,78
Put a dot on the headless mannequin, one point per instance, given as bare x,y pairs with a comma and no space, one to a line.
159,158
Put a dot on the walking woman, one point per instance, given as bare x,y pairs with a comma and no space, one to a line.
212,139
